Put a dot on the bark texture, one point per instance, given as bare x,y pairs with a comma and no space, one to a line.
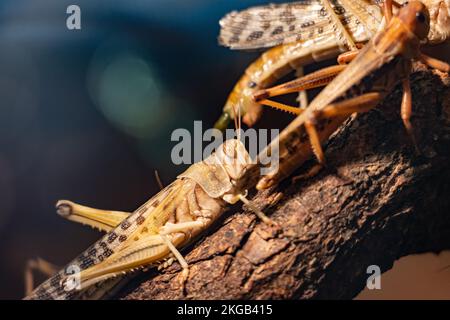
376,202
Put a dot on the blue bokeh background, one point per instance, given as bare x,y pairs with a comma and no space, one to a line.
87,114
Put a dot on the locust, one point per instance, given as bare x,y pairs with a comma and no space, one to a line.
185,208
152,234
358,87
301,33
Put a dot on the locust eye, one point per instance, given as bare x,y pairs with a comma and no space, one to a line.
420,17
252,84
405,4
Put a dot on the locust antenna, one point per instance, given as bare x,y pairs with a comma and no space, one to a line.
239,124
235,117
158,180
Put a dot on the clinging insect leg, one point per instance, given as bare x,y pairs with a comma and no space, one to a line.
180,226
387,10
179,257
257,211
46,268
406,111
361,103
169,228
104,220
314,139
314,170
435,63
281,106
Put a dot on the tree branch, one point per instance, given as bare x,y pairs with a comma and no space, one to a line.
376,202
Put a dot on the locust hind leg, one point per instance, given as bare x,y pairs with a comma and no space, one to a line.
315,79
302,97
46,268
104,220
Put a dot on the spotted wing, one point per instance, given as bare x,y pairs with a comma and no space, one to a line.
274,24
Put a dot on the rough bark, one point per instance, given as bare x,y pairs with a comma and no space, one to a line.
376,202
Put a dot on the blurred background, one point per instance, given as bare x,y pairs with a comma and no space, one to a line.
87,115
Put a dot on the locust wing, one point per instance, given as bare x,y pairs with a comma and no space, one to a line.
275,24
150,215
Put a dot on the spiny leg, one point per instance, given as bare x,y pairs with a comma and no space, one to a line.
104,220
38,264
314,140
281,106
315,79
302,97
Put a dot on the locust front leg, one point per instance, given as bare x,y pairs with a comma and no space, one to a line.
362,103
104,220
344,108
406,106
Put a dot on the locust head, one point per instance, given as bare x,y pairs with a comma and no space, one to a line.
416,17
233,156
219,173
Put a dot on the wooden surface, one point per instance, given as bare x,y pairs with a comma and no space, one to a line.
377,201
